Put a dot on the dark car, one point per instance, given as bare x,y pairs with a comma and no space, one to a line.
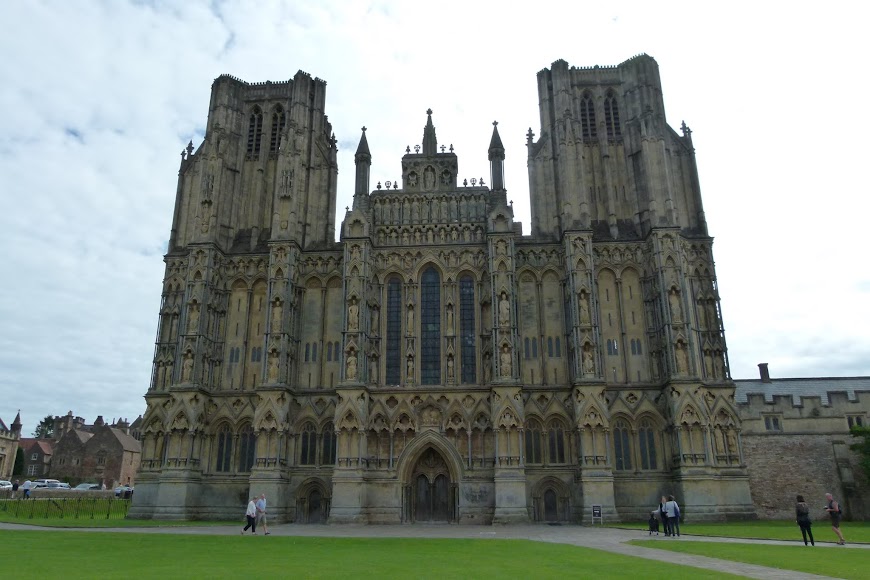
87,487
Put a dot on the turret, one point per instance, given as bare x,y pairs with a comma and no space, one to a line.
430,143
496,159
16,424
363,160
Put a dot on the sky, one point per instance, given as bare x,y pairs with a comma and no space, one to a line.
98,98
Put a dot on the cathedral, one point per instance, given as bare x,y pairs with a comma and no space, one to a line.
437,364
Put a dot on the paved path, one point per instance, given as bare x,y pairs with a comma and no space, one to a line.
607,539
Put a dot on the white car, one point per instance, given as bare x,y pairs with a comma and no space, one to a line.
58,485
5,484
44,482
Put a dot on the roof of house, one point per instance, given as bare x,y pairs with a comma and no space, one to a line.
128,442
797,388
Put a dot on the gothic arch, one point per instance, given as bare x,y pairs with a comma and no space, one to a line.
409,456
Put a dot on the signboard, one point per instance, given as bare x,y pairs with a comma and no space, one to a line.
596,514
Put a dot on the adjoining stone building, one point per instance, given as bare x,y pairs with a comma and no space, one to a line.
795,435
102,454
437,364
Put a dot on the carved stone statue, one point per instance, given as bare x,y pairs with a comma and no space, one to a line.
376,321
410,318
449,317
273,367
583,305
708,363
373,369
187,368
506,363
718,366
450,368
674,301
731,437
351,366
353,315
487,367
719,438
504,310
277,314
588,361
682,359
193,319
410,369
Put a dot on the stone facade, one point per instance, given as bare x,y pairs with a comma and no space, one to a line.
37,457
10,437
103,454
796,441
437,364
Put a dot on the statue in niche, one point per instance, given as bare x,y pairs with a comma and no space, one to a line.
487,367
354,253
702,315
500,248
273,367
731,438
504,310
412,180
583,305
373,369
682,359
410,369
588,361
428,178
674,301
351,366
405,238
450,368
277,313
712,319
720,441
376,320
506,362
353,315
708,363
449,317
187,367
410,318
193,319
416,236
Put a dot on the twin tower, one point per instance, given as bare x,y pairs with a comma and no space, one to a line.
436,364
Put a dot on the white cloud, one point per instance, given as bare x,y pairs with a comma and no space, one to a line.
98,99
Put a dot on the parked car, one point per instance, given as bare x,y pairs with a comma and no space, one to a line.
123,491
5,484
58,485
87,486
44,482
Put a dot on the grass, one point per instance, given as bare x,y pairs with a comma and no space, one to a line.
855,532
84,513
827,561
102,554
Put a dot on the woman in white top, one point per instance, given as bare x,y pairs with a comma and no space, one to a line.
251,515
673,511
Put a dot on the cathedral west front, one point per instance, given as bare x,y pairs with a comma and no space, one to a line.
437,364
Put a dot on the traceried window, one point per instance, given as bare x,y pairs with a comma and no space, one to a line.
308,453
622,445
255,132
224,449
466,329
587,117
247,449
430,327
533,442
279,119
394,332
328,445
646,440
556,439
855,421
611,116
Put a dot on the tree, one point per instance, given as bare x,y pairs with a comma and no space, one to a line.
45,429
18,466
862,447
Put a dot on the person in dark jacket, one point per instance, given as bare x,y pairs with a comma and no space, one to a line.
802,517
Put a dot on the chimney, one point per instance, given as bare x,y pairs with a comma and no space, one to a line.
765,374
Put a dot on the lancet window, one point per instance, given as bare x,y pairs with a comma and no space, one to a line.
255,132
430,327
279,119
466,329
587,117
611,116
394,331
622,445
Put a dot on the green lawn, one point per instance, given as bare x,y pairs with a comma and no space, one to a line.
103,554
855,532
827,561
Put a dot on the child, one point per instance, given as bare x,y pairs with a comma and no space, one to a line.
653,523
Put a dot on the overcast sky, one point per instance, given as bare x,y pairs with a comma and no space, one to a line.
97,100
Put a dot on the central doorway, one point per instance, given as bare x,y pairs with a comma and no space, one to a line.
431,490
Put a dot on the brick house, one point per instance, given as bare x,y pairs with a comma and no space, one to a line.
102,453
37,456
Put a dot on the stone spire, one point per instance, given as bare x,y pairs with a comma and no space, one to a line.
363,160
430,143
16,424
496,159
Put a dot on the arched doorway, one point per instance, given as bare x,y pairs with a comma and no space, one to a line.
315,507
551,509
312,502
432,494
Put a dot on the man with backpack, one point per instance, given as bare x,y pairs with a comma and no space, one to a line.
835,510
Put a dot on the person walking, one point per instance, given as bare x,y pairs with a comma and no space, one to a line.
251,516
261,513
835,510
673,511
664,515
25,487
14,488
802,517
